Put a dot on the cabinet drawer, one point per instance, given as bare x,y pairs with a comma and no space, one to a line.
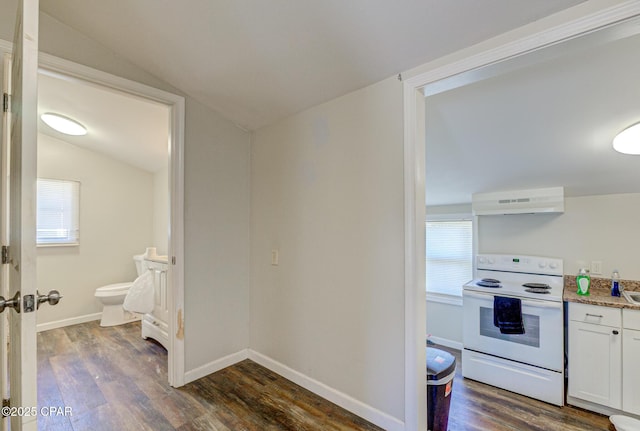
631,319
595,314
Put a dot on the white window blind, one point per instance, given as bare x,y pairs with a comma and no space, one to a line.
449,255
58,212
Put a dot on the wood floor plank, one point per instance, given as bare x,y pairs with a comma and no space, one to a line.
130,402
49,396
77,386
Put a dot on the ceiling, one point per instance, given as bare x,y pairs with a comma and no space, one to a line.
545,119
257,62
121,126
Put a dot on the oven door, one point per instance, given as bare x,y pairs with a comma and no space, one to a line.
541,344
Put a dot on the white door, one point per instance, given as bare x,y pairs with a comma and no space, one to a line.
22,219
595,355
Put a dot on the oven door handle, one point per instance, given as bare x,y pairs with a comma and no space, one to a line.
525,302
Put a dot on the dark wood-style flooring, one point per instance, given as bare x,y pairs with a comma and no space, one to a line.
114,380
476,406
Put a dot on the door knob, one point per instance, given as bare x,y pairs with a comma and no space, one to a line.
52,298
12,303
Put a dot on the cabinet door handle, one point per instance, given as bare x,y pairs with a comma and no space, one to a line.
600,316
615,332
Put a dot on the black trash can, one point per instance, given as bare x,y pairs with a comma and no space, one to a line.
441,367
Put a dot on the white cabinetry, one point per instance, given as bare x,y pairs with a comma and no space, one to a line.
631,361
595,354
155,324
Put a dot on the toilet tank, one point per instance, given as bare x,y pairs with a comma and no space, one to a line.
139,260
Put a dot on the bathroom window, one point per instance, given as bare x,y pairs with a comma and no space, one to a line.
58,212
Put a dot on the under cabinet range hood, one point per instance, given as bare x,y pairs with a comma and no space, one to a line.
548,200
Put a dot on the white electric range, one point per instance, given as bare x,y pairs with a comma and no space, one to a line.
530,363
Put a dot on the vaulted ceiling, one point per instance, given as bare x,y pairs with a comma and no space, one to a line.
256,62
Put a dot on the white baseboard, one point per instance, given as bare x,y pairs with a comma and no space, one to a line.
214,366
68,322
446,342
359,408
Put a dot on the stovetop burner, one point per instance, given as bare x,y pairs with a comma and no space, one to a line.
539,290
489,282
537,285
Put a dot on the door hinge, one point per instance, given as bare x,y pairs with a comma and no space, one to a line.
5,102
5,254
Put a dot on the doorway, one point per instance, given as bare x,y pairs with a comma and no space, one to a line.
103,196
161,164
532,38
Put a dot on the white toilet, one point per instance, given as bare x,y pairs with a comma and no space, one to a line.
112,297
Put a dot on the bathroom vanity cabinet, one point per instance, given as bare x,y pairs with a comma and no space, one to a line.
155,324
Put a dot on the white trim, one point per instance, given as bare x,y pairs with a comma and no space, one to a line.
214,366
415,410
415,397
446,342
449,217
343,400
443,298
58,66
68,322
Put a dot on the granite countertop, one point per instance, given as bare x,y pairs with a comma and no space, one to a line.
600,292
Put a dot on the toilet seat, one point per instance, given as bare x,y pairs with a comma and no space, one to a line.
113,289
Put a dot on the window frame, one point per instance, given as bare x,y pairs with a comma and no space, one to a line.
76,203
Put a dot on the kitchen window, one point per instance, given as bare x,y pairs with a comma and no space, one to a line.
449,253
58,212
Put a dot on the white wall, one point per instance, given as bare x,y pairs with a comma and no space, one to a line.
161,211
444,323
216,201
115,203
216,237
327,192
602,228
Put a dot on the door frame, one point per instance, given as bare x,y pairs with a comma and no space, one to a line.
176,104
570,23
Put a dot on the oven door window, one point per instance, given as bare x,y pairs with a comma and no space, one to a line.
531,336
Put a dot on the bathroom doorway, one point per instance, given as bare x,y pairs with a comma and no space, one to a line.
128,172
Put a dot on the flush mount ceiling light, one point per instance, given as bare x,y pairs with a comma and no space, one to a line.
63,124
628,141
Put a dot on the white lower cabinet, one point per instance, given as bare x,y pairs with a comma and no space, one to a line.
604,356
631,361
595,354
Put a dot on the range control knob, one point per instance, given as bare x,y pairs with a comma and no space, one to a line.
553,265
542,264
